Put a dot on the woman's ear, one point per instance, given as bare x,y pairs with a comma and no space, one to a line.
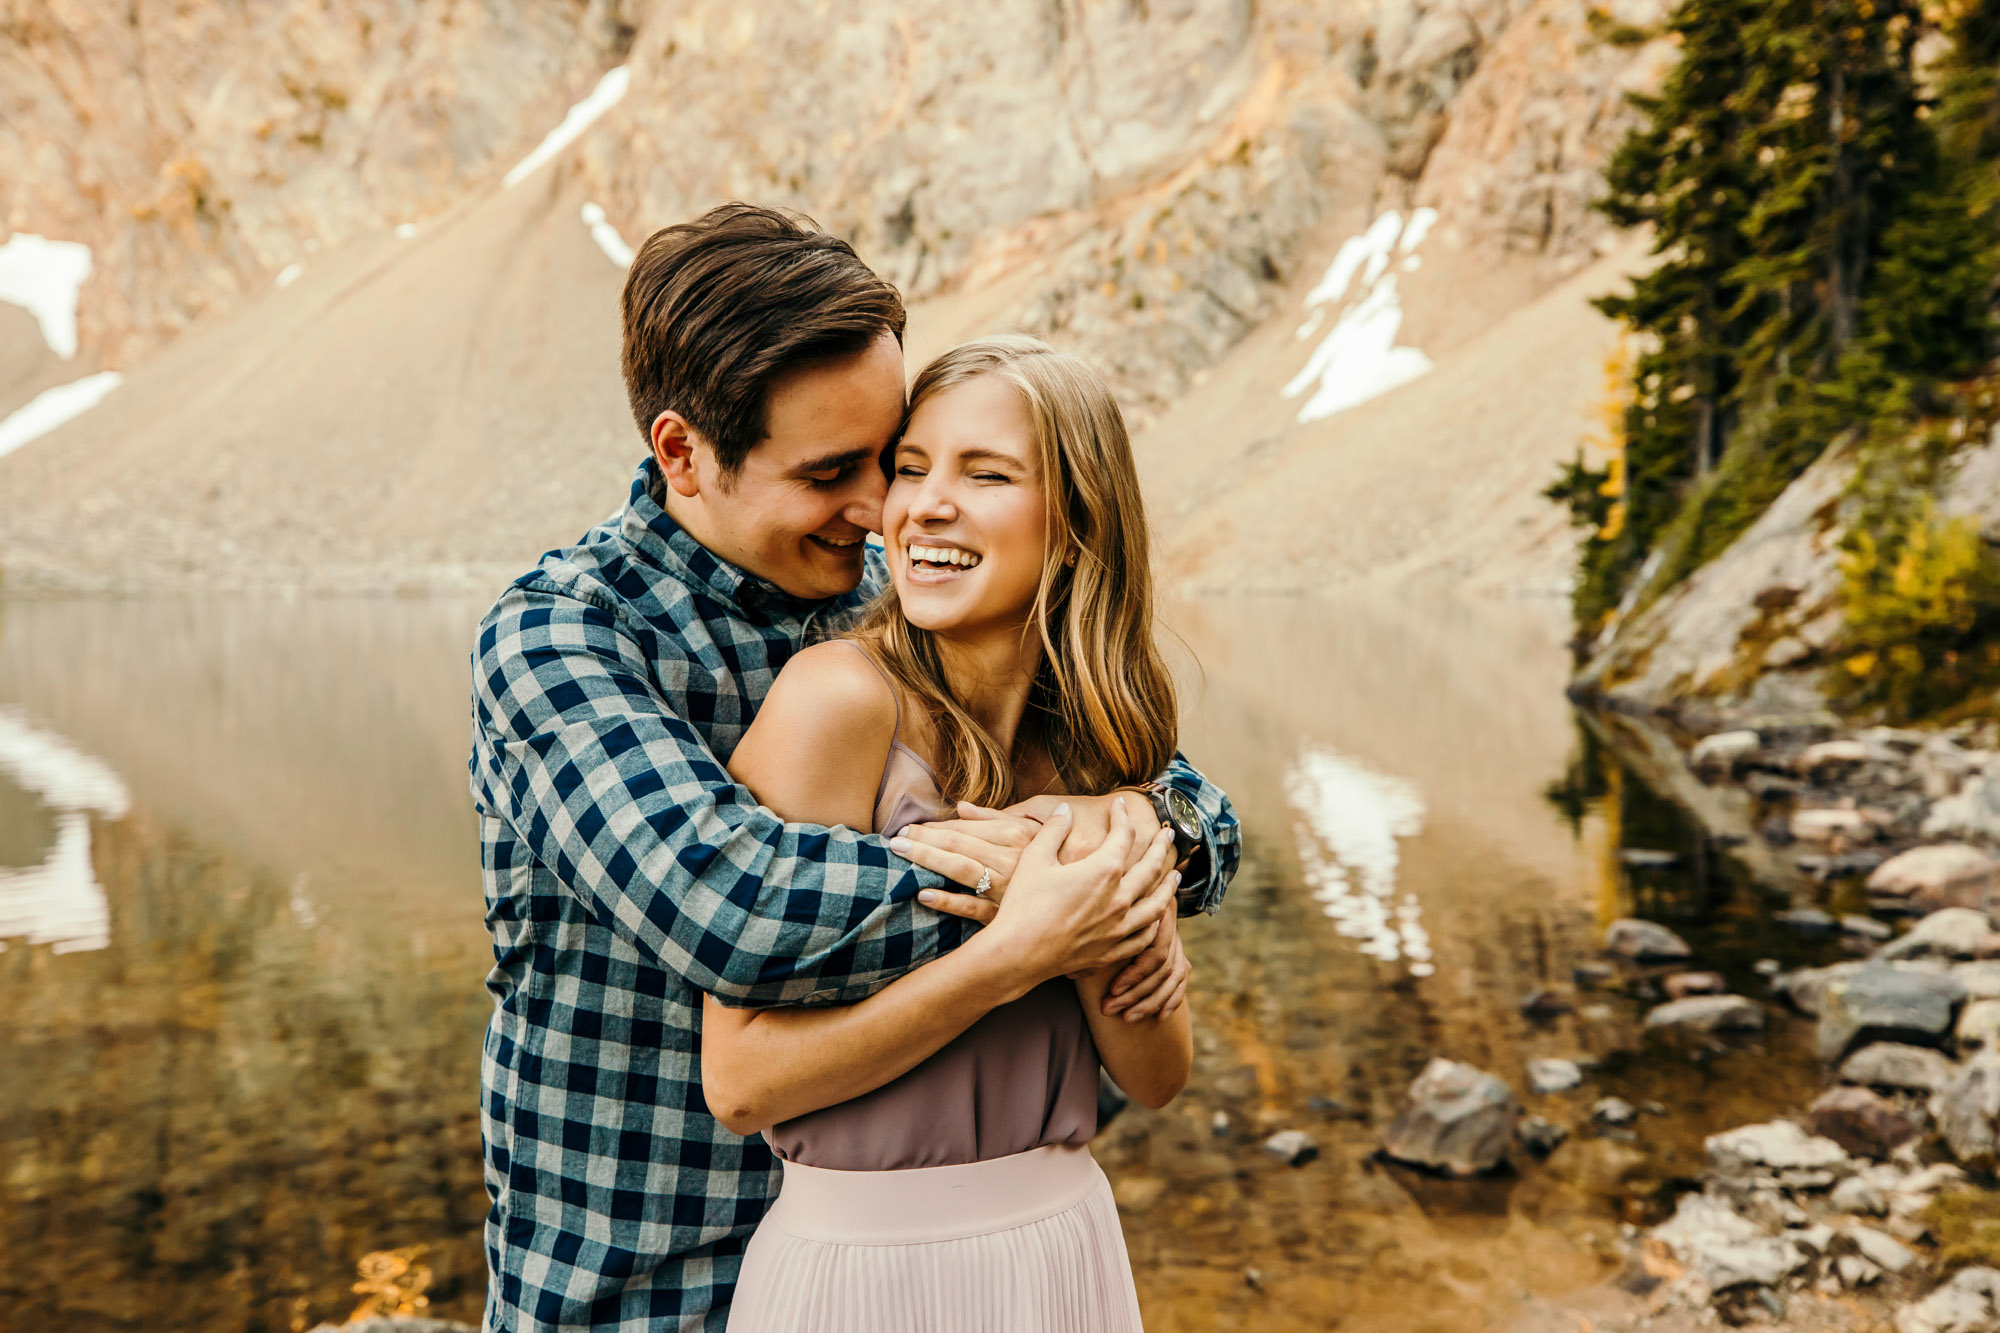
673,451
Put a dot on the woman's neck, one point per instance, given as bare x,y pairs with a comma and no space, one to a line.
992,673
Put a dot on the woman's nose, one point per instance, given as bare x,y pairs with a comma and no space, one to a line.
933,503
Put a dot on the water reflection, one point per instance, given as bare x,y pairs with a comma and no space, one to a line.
1351,820
58,902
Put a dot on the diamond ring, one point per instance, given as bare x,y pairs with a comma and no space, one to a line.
985,881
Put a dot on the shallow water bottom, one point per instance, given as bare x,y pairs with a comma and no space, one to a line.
270,1068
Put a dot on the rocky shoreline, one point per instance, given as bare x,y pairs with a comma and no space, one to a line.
1874,1206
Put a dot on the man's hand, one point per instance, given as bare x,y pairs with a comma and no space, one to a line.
1087,914
1154,984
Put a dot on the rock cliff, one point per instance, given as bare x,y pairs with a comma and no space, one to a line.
1157,186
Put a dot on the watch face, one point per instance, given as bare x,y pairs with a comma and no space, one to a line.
1187,819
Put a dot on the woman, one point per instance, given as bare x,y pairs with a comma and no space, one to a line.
936,1173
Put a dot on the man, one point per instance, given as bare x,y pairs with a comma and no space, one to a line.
625,873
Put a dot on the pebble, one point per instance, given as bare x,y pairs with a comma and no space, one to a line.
1293,1147
1645,858
1644,941
1613,1111
1707,1014
1683,984
1458,1118
1540,1135
1884,1251
1541,1005
1855,1195
1807,920
1855,1271
1861,1121
1767,967
1867,927
1723,751
1553,1075
1218,1124
1889,1064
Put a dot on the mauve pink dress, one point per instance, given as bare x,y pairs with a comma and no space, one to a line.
959,1198
1022,1077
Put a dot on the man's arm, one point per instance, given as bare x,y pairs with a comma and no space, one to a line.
1224,839
618,794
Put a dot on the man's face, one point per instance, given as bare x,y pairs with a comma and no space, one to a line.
807,495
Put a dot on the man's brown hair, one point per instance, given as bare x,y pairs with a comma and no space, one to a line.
718,308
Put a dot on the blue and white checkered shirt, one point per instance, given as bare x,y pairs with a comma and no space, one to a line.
626,874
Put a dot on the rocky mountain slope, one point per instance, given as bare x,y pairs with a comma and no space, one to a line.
1160,187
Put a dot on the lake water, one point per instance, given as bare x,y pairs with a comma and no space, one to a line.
241,1001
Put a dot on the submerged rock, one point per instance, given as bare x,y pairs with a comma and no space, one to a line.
1863,1122
1969,1303
1886,1003
1707,1015
1459,1119
1888,1064
1644,941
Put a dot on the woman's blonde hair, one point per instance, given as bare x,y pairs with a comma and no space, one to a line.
1102,706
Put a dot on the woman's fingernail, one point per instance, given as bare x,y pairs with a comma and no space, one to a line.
928,897
1062,807
899,845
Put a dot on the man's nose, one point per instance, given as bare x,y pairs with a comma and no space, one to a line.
864,501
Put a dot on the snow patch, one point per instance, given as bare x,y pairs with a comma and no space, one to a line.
59,902
55,407
1358,359
607,237
44,277
609,92
1352,820
289,274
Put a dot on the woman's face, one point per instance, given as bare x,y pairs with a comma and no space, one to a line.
966,520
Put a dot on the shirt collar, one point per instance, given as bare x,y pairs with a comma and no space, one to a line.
650,531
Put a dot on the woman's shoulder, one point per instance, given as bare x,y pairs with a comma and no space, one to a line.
838,687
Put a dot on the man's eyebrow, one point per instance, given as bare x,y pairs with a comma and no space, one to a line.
832,462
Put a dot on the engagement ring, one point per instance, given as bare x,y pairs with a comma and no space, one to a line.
985,881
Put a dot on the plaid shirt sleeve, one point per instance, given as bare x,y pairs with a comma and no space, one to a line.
578,751
1225,842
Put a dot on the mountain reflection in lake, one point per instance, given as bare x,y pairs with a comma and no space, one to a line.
270,1069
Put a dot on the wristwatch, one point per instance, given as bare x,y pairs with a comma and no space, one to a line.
1177,812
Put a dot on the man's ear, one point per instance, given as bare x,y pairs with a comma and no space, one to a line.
673,450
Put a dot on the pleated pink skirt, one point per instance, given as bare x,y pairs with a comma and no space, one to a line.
1022,1244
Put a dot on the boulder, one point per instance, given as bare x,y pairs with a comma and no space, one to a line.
1724,1250
1459,1119
1973,813
1863,1122
1551,1075
1706,1015
1969,1303
1967,1109
1952,932
1683,984
1723,751
1777,1151
1944,874
1978,1027
1889,1064
1644,941
1886,1003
